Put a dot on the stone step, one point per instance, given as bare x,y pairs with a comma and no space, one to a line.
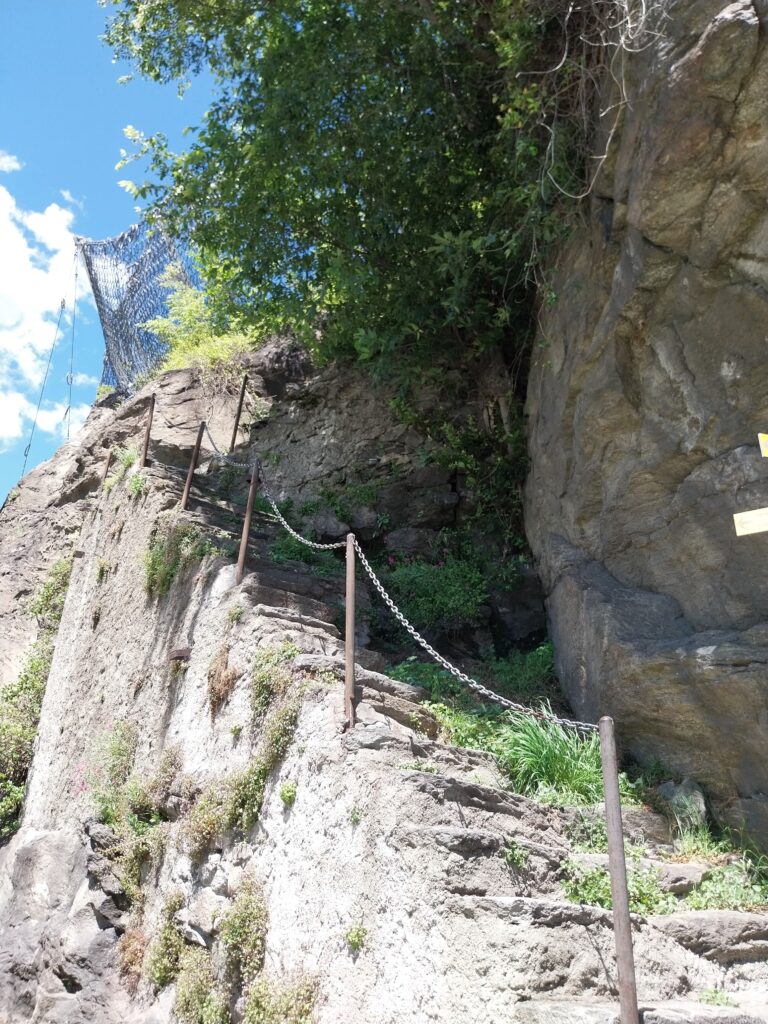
668,1012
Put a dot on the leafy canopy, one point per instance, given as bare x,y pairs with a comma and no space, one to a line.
369,173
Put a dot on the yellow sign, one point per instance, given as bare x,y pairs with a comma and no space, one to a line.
755,521
762,440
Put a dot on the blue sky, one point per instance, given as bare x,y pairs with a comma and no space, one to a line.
62,116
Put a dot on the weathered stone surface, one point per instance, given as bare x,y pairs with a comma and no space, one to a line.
684,802
723,936
644,401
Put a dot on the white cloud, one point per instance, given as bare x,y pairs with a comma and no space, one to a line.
37,250
9,162
85,380
67,196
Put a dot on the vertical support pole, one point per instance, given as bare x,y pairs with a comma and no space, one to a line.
349,635
192,466
233,442
247,524
617,866
107,464
145,446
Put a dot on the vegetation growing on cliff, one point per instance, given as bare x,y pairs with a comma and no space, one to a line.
20,702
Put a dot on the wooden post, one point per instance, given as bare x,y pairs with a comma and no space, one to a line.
349,635
107,464
151,413
233,442
192,466
247,524
617,866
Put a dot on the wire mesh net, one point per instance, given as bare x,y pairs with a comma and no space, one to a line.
126,278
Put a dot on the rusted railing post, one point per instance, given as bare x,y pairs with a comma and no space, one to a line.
145,447
107,464
247,524
233,442
192,466
349,635
617,866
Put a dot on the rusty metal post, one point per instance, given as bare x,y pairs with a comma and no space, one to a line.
617,866
349,635
106,467
145,447
233,442
192,466
247,524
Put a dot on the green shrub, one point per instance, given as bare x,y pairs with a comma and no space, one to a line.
323,563
161,962
355,938
104,391
244,932
21,701
593,886
126,457
235,613
514,855
173,546
716,997
271,675
737,886
444,596
199,1000
268,1003
288,792
138,485
588,834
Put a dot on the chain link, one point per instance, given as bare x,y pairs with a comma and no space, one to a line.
257,466
470,682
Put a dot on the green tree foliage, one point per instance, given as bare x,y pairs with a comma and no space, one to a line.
370,174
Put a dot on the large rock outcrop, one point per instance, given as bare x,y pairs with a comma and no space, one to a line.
647,390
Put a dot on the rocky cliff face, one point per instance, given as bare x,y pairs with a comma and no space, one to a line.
254,861
648,388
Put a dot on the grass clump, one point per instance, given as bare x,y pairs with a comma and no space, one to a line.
288,793
199,1000
235,802
588,834
271,675
138,485
287,549
130,805
123,458
742,885
235,613
355,938
173,546
244,932
445,595
162,960
21,701
593,887
269,1003
716,997
514,855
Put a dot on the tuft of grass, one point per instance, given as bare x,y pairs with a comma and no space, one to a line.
514,855
244,932
123,459
270,676
173,546
235,802
162,959
102,570
21,701
235,613
269,1003
419,766
288,793
199,999
593,887
355,938
355,815
138,485
716,997
588,834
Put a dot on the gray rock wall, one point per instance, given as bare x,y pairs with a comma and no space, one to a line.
648,387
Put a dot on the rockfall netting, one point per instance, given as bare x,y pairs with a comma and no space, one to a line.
126,278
